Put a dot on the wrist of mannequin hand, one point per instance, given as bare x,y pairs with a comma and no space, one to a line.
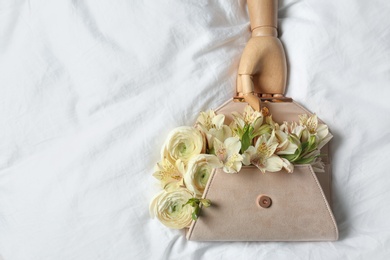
264,31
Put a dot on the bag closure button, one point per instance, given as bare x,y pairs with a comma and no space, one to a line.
264,201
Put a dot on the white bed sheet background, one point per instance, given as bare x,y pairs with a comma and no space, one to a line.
90,89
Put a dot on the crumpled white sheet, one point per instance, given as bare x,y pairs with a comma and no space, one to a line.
90,89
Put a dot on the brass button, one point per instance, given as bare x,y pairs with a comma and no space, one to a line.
265,201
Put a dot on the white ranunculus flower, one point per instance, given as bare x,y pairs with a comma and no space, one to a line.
198,172
168,207
183,143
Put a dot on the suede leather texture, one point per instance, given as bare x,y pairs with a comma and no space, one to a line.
300,209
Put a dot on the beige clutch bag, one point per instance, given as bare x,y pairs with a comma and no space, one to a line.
249,205
274,206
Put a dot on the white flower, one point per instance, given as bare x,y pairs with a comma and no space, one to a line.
198,172
249,117
228,153
323,135
285,145
321,131
311,122
208,120
167,172
300,131
262,155
183,143
213,126
248,126
221,134
168,207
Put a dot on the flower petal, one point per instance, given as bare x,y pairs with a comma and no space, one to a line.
289,167
233,163
322,131
274,164
248,154
218,120
233,145
221,134
324,141
220,150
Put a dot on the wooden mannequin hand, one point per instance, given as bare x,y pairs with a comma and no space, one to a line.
262,69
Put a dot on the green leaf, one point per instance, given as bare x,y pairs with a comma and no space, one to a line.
196,212
312,144
250,131
304,147
293,157
305,160
239,131
264,129
289,157
193,202
245,141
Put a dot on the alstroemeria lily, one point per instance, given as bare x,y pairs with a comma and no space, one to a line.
208,120
228,153
263,157
248,126
323,135
311,122
248,117
321,131
167,172
300,131
221,134
286,146
198,172
213,126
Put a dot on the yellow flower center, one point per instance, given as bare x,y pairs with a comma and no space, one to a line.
264,150
169,171
231,161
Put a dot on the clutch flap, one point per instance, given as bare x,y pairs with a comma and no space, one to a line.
278,206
